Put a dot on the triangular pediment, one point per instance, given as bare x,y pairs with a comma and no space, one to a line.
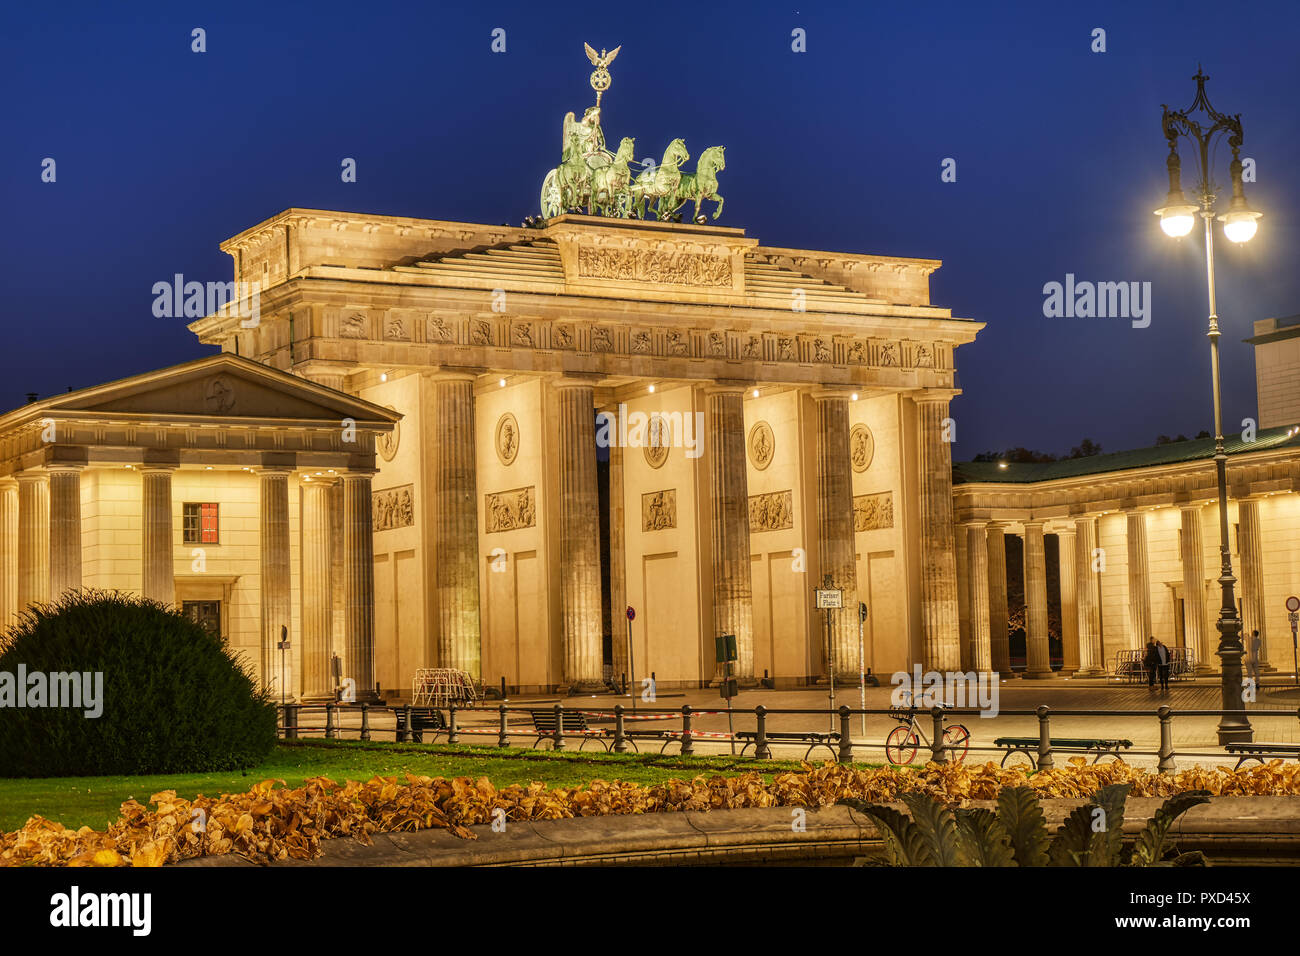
219,388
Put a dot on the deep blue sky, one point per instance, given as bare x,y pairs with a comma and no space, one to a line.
162,153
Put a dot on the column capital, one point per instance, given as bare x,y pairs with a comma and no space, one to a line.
29,476
829,393
575,380
725,387
454,374
73,466
934,395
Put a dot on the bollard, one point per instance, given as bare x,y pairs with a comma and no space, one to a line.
688,742
365,721
620,742
761,750
290,721
559,727
938,752
846,742
404,726
1045,760
329,722
453,734
503,687
1166,764
502,739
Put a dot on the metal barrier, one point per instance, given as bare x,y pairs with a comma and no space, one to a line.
291,728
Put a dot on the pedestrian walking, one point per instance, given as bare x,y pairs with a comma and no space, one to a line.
1256,646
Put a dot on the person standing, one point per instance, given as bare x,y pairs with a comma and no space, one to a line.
1151,660
1163,660
1256,646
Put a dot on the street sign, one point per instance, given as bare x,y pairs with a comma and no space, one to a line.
829,598
1293,604
631,613
862,611
725,648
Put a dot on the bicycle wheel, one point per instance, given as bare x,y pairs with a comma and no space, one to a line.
956,742
900,745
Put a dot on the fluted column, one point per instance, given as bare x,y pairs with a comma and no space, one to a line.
1069,601
999,637
835,526
579,530
939,618
1087,598
315,588
1139,581
1196,632
977,581
1252,575
733,596
359,581
65,529
1039,661
8,551
33,538
456,525
617,557
275,584
157,574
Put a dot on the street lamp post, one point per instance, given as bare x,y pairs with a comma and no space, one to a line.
1177,217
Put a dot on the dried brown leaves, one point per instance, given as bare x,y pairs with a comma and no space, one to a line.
272,822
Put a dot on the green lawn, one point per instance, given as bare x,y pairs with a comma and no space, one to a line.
94,801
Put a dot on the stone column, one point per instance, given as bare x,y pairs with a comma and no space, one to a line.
1191,554
939,624
456,525
999,639
1039,661
157,573
33,538
978,598
315,588
617,557
1069,601
836,544
579,531
65,529
1087,596
359,582
1139,582
733,596
8,551
1250,542
275,584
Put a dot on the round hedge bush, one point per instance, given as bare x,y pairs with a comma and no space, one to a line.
174,698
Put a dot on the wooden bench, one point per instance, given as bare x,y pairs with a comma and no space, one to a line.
422,719
1098,746
575,725
1262,752
812,738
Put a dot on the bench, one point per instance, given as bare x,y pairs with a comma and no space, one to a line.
1099,747
422,719
812,738
575,725
1261,752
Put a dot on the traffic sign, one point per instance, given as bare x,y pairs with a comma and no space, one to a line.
1293,603
829,598
631,613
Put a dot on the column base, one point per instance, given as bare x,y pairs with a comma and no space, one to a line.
584,687
1039,675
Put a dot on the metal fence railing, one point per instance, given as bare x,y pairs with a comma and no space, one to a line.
560,726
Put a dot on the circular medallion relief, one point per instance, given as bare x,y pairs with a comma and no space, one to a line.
386,444
656,447
862,447
507,438
219,395
762,445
